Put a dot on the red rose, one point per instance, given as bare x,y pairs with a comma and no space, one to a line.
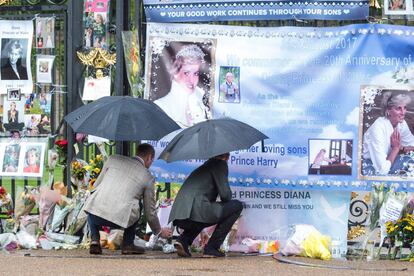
61,143
2,190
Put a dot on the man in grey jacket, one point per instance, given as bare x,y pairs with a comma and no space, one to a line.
115,202
195,207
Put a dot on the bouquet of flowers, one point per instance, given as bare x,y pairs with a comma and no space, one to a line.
78,169
400,232
62,149
94,168
79,173
26,201
132,62
6,201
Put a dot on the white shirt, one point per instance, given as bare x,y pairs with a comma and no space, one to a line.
185,109
377,142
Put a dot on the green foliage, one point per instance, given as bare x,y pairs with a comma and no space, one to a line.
35,108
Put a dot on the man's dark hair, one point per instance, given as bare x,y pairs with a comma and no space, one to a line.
145,149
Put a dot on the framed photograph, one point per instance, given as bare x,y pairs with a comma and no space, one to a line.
386,133
32,157
14,54
229,81
398,7
14,94
180,72
44,64
330,157
10,156
45,32
13,111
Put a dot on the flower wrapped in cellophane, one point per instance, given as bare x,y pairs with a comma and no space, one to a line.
79,174
26,201
6,201
94,168
77,217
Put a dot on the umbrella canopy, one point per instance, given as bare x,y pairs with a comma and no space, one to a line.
210,138
122,118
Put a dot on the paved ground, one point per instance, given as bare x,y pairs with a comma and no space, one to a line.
79,262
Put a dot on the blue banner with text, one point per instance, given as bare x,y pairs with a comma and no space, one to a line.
337,102
237,10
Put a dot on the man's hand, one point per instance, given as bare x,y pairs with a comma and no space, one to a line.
166,232
204,237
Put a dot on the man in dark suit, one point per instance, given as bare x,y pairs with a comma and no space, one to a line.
13,70
195,207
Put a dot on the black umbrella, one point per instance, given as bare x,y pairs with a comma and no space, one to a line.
210,138
122,118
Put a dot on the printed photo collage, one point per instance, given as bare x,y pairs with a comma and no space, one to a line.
25,99
22,158
96,24
97,82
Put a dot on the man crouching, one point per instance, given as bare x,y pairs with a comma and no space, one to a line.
115,202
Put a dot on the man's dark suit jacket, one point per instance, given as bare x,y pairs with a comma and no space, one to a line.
196,199
7,72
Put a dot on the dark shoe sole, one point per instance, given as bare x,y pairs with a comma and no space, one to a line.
212,256
95,249
180,250
209,256
213,253
132,252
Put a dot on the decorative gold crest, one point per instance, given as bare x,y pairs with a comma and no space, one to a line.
97,58
5,2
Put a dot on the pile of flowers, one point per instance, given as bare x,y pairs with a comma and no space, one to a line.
94,168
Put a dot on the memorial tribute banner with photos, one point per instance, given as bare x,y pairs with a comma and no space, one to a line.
16,46
222,10
314,91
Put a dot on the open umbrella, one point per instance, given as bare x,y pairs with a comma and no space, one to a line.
122,118
210,138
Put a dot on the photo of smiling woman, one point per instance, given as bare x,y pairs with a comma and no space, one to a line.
32,160
181,82
389,138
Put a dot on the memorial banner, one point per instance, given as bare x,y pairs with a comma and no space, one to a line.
330,99
208,10
268,213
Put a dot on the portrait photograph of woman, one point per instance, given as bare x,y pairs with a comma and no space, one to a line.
32,159
10,159
386,133
181,80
